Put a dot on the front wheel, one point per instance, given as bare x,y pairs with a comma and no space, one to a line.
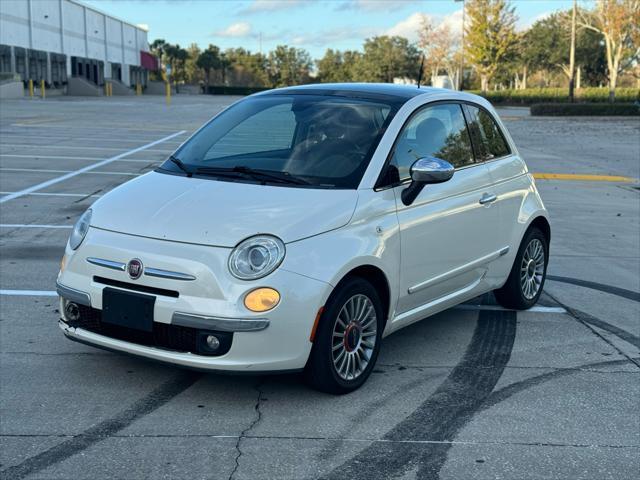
526,280
348,338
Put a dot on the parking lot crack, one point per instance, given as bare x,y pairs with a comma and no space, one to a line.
591,322
245,433
89,195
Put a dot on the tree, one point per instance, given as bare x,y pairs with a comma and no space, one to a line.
288,66
331,67
490,36
246,68
442,51
336,66
208,60
618,21
176,56
546,46
193,73
157,47
386,58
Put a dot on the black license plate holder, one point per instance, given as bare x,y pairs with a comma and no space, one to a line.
128,309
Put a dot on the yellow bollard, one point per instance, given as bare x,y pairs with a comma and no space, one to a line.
168,89
42,89
31,88
138,89
106,89
110,89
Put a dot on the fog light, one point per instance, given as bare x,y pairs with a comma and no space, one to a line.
262,299
212,342
72,312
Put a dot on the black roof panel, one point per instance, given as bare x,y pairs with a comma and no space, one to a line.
398,92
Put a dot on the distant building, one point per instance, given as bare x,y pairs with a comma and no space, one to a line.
442,81
405,81
61,40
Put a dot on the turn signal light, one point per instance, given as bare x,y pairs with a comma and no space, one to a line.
262,299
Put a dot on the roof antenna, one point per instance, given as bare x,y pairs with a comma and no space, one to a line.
421,69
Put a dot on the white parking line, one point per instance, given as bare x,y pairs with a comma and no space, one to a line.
537,308
97,129
90,159
29,145
45,194
53,181
109,138
29,293
44,170
32,225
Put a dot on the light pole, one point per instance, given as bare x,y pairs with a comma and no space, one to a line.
461,76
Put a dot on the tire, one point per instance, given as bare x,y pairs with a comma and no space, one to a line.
326,370
515,294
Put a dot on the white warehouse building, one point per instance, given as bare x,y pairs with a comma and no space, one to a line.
71,46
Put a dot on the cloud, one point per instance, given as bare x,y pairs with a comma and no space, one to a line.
261,6
409,27
237,30
453,21
526,23
374,5
334,35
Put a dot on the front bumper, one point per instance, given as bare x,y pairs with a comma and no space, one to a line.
277,340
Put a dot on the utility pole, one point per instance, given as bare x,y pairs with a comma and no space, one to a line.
461,76
572,53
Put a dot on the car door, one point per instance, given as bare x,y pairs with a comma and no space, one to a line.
510,184
448,235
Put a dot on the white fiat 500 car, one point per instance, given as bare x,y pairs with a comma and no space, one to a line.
300,226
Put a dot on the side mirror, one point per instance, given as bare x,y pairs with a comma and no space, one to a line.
425,171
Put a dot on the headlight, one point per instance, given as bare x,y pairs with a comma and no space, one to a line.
80,230
256,257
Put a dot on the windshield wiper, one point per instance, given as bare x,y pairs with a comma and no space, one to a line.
262,175
181,165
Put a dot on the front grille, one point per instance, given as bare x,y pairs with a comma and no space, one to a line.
166,336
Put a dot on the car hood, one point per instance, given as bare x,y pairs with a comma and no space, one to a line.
219,213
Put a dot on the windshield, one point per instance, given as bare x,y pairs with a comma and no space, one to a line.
292,140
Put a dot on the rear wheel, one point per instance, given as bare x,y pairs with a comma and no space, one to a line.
526,280
347,340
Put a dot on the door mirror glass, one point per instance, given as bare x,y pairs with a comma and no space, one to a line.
424,171
431,170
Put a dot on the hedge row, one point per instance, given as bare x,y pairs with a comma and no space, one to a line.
530,96
580,109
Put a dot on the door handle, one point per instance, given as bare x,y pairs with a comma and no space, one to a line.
486,199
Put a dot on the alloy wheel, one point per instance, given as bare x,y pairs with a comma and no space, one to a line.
354,337
532,269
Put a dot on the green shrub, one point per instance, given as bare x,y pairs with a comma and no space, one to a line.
580,109
530,96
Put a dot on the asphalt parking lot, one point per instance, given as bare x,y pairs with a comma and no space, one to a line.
475,392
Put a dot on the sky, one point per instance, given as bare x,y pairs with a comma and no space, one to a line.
314,25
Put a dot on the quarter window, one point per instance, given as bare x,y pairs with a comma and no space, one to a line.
490,142
435,131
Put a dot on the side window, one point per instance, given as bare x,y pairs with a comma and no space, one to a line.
434,131
490,142
275,127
